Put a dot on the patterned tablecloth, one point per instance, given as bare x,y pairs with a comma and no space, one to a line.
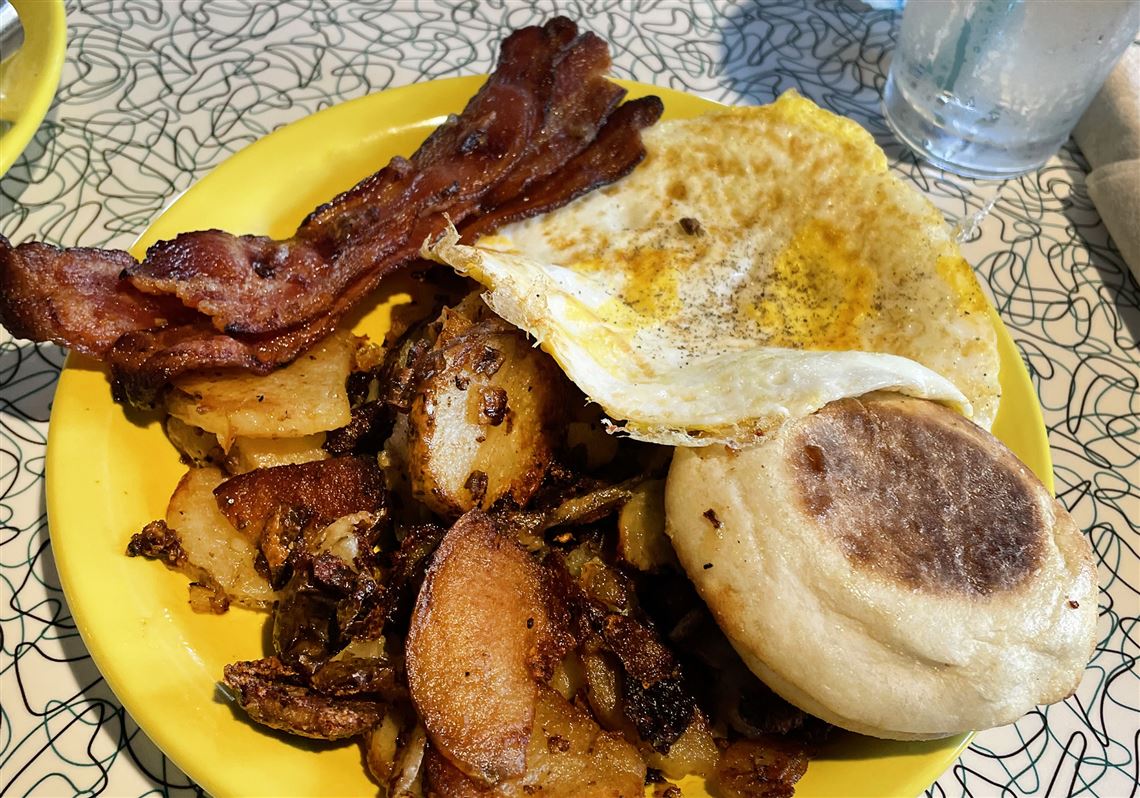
154,94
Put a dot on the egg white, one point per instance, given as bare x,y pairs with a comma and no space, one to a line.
760,263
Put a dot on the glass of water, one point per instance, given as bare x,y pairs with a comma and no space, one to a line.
992,88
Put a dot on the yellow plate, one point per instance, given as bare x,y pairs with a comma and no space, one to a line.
28,79
110,471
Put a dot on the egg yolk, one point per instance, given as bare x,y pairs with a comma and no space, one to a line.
816,294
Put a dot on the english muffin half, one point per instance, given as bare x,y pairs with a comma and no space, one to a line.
890,567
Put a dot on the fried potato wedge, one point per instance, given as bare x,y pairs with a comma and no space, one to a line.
480,624
306,397
642,541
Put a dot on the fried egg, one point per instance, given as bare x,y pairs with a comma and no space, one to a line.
760,263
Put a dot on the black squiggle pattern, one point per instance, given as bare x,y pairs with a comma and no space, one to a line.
155,94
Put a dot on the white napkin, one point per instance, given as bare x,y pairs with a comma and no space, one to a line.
1109,136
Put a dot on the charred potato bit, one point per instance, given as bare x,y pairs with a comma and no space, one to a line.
159,542
370,425
352,675
765,768
322,491
406,574
273,695
639,649
332,597
660,711
278,507
304,626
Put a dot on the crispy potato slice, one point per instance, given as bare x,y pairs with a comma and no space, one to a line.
394,754
480,621
249,454
484,422
211,542
306,397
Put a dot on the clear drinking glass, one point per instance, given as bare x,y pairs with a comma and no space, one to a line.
992,88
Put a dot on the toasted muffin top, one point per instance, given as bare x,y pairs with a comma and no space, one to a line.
912,496
888,566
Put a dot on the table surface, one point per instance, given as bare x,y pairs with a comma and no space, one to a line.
155,94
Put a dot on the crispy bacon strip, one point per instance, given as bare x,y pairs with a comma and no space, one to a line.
614,154
75,297
255,285
580,97
541,131
142,362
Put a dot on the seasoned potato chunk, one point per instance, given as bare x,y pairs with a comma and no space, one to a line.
306,397
695,751
483,424
570,755
760,768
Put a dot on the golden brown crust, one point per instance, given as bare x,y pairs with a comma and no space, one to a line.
476,699
916,495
